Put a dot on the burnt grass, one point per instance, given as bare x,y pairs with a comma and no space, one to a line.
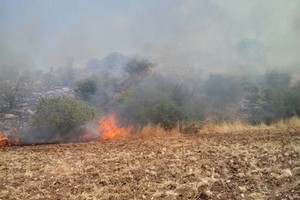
247,165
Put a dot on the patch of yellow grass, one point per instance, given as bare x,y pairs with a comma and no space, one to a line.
237,126
292,123
240,126
231,127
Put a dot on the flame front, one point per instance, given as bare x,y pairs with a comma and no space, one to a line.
8,138
111,130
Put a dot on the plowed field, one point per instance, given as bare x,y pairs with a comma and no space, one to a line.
247,165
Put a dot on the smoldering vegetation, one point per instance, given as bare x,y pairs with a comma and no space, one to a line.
56,105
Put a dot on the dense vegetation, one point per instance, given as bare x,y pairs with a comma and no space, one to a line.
140,93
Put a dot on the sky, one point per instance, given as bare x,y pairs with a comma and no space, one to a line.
208,34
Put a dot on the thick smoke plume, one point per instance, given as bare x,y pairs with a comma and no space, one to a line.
207,34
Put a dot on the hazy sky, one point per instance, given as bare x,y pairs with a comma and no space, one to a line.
181,33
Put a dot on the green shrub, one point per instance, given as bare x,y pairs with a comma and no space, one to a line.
157,100
292,101
167,114
64,114
222,90
273,99
14,90
138,66
85,89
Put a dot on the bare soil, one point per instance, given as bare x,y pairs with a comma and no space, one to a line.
247,165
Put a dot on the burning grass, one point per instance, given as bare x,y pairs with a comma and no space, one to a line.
110,129
9,138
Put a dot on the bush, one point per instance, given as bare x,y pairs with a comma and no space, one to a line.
292,101
14,90
167,114
272,100
160,111
138,66
85,89
157,100
63,114
222,90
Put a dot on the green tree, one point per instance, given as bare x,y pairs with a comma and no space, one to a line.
64,114
222,90
157,100
276,81
137,66
14,90
271,100
86,88
292,101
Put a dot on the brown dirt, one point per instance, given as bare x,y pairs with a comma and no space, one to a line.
248,165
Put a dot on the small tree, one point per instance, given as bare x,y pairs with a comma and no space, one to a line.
64,114
85,89
12,91
276,81
157,100
272,100
138,66
292,101
222,90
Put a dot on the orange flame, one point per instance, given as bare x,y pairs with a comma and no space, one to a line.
8,138
111,129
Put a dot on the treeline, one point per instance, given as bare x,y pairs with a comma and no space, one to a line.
140,93
143,95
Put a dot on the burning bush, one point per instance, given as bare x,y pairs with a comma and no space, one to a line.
111,129
64,114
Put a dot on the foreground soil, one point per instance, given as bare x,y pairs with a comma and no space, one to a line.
247,165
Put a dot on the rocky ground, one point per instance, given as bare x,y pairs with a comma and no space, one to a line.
247,165
20,117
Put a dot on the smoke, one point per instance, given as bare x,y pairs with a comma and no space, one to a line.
45,135
150,60
203,34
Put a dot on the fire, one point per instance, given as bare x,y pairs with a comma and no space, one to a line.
8,138
108,129
111,129
3,141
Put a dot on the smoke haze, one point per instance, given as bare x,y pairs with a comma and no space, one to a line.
210,35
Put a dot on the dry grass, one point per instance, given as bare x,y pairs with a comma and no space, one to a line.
232,127
240,126
292,123
237,126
